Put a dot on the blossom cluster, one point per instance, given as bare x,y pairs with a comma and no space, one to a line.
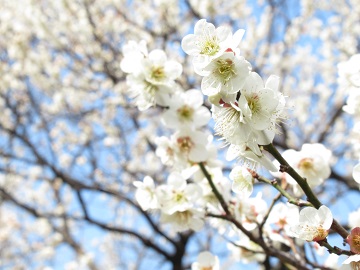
245,109
182,200
152,83
151,76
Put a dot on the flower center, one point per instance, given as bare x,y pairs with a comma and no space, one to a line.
185,144
157,73
306,164
179,197
282,222
356,241
254,104
185,113
224,70
210,46
321,234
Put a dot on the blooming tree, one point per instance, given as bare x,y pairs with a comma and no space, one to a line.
180,134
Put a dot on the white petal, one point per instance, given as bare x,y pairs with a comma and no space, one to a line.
202,116
169,119
234,151
148,181
223,33
192,191
194,98
253,83
202,27
198,153
237,37
176,181
210,82
188,45
326,217
242,187
272,82
173,69
265,137
158,57
309,215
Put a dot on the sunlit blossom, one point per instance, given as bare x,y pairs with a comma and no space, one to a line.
242,181
313,224
145,194
206,43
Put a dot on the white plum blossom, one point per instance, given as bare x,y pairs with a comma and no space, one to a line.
145,194
311,162
283,216
152,76
177,195
207,43
206,261
159,70
165,150
225,75
253,116
185,148
190,145
177,203
259,103
147,94
186,110
313,224
250,211
242,181
189,219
